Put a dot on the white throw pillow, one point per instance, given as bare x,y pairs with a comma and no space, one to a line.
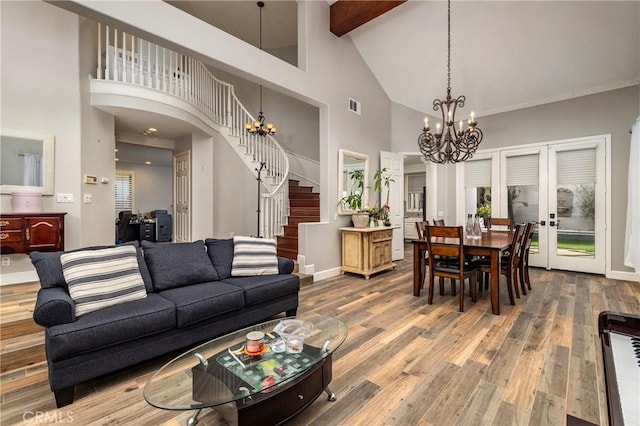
100,278
254,256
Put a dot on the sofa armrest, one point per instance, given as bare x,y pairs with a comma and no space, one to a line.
285,266
53,307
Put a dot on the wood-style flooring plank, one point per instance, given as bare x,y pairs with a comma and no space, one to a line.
404,362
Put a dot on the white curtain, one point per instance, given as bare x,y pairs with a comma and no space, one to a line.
33,169
632,239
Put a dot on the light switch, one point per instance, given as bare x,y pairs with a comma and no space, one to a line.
88,198
64,197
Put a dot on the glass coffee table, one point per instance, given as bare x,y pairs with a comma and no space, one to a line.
267,388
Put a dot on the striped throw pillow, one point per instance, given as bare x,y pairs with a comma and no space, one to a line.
254,256
100,278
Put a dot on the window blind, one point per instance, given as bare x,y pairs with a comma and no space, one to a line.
415,182
124,191
477,173
522,170
576,166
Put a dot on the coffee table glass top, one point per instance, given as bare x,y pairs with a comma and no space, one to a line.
219,371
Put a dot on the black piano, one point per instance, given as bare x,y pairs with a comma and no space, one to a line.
620,339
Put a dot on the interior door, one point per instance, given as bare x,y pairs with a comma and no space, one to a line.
395,167
182,196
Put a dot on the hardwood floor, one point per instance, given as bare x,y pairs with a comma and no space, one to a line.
403,363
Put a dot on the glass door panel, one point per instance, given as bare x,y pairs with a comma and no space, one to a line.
576,206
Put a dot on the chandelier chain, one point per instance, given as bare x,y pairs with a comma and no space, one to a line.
449,45
449,144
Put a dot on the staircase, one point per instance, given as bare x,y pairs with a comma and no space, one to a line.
140,69
304,206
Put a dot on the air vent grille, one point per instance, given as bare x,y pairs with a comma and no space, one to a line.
355,106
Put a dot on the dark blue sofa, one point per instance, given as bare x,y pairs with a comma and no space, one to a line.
190,299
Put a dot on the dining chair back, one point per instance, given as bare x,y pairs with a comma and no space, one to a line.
523,267
446,260
503,222
506,264
420,226
438,222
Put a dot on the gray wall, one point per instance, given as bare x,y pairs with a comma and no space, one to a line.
40,93
611,112
296,121
153,188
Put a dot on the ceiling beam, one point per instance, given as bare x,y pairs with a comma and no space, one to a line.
347,15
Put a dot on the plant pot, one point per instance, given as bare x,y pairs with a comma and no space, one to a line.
360,220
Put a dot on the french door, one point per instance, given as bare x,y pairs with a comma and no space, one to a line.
561,186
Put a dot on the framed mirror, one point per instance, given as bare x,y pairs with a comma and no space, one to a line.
352,165
26,162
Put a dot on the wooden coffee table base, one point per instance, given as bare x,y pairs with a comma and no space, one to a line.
277,406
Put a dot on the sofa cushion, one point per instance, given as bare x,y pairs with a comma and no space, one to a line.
221,254
266,287
179,264
201,301
110,326
101,278
49,268
254,256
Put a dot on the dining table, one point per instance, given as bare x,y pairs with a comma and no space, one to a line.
490,244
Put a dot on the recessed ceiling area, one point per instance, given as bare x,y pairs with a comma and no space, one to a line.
145,155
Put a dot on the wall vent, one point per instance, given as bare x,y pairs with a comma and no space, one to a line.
355,106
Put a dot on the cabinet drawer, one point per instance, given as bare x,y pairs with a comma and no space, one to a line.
10,223
11,242
382,235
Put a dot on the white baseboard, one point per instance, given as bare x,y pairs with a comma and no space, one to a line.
625,276
18,278
303,267
327,274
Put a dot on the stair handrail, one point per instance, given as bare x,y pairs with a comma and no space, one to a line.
159,68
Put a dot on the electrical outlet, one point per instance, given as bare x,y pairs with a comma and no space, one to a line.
88,198
6,261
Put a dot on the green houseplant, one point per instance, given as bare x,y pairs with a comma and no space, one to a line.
382,178
353,201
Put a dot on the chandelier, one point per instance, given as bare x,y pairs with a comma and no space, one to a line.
450,145
259,126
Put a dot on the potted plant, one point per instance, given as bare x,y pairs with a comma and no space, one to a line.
353,200
383,178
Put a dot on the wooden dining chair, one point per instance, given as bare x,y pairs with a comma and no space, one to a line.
420,227
446,260
511,258
523,267
438,222
505,222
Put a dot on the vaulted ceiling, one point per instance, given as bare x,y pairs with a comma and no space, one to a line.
505,55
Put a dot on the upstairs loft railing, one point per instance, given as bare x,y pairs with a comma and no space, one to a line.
125,58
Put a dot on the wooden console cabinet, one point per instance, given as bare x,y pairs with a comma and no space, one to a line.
27,232
366,251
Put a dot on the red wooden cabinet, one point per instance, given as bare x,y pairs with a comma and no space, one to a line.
27,232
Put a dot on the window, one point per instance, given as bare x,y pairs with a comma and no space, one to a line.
124,190
478,187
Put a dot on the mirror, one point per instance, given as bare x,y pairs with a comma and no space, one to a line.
26,160
349,162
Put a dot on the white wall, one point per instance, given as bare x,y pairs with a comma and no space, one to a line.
40,92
